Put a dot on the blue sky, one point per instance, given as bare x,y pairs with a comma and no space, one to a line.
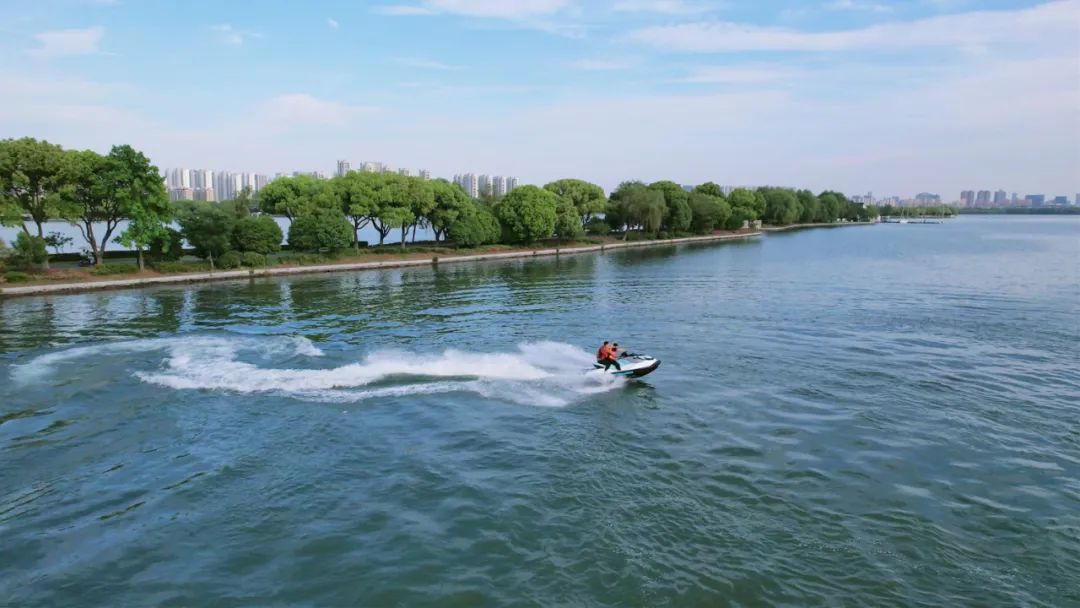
859,95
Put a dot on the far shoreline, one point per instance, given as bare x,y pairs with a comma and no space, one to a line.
419,260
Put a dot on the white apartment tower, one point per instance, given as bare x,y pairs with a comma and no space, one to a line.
343,167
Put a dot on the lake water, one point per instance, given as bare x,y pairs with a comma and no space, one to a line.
863,416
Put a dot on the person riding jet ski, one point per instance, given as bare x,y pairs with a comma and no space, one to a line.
608,356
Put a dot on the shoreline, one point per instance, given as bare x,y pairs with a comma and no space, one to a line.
225,275
819,225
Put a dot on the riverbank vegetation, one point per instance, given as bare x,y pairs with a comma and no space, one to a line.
40,182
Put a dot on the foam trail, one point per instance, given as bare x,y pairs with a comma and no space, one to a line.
541,373
45,365
544,373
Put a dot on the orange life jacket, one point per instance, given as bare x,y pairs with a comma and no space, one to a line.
604,352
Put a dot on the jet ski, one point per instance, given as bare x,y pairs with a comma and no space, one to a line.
633,366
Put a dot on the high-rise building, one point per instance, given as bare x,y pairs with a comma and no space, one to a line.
343,167
1077,200
425,174
1036,200
982,199
469,183
1000,198
1061,201
403,171
967,198
511,184
1015,199
927,198
484,184
181,194
371,167
498,184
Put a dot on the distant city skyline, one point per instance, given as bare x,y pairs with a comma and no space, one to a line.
218,185
852,96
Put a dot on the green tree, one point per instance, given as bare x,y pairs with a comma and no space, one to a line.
242,203
356,193
746,206
586,199
708,212
567,220
31,175
89,198
293,196
633,205
527,214
260,234
474,225
450,203
207,228
392,206
320,229
677,215
830,207
781,206
710,189
167,246
136,185
421,199
28,251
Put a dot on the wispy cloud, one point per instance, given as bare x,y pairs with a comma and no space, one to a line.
603,64
858,5
425,64
332,23
493,9
1037,24
666,7
230,35
304,109
68,43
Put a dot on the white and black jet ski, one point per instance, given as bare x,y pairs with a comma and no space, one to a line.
633,366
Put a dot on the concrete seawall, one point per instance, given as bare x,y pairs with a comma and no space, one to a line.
224,275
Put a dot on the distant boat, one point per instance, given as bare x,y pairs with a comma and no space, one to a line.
902,221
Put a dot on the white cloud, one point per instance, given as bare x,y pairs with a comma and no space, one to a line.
858,5
1042,23
302,109
230,35
332,23
667,7
494,9
425,64
600,65
68,43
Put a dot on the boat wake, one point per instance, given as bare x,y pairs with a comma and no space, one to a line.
540,373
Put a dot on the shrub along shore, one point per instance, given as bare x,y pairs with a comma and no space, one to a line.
41,182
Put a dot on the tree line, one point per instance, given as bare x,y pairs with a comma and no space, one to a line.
40,181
